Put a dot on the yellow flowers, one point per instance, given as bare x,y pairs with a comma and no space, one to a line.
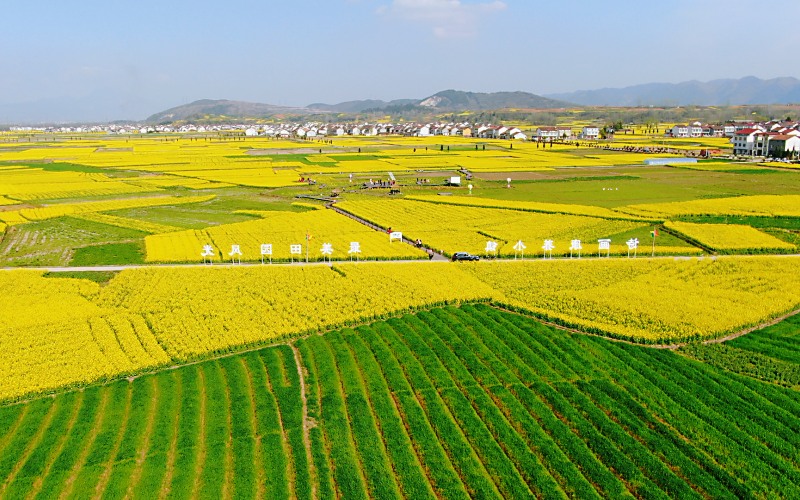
454,228
29,184
61,209
759,205
140,225
729,236
280,229
58,331
8,201
650,300
529,206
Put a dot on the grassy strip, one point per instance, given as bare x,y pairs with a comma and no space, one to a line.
132,440
242,431
481,341
213,474
730,447
104,447
31,476
755,420
405,463
164,429
525,360
26,441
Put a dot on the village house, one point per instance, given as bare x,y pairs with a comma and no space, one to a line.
680,130
590,133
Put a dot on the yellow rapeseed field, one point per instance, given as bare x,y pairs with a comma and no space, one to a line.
59,332
31,184
787,205
650,300
531,206
62,209
453,228
281,230
729,236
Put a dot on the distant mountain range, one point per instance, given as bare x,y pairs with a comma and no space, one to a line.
728,92
109,105
215,109
451,100
447,100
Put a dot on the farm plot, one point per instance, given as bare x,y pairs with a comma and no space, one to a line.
730,237
449,403
63,331
281,230
650,301
453,228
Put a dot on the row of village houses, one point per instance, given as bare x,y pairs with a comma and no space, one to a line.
318,130
775,138
728,129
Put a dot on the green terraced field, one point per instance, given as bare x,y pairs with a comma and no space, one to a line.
448,403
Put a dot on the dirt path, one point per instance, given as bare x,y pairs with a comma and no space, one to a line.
306,422
436,255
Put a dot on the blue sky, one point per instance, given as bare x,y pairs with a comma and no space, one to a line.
141,57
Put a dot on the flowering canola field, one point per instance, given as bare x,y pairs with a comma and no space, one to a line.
59,332
652,300
758,205
281,230
724,237
454,228
62,331
61,209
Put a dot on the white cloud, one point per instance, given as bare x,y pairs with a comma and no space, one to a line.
447,18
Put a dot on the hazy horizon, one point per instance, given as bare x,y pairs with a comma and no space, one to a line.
127,61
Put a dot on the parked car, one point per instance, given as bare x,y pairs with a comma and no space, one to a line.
464,256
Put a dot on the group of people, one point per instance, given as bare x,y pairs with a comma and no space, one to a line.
380,183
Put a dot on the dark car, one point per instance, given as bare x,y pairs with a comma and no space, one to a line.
464,256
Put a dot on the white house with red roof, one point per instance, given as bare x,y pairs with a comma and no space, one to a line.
744,140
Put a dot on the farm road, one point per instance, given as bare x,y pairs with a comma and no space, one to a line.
63,269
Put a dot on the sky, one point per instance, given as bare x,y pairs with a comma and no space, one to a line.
110,60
